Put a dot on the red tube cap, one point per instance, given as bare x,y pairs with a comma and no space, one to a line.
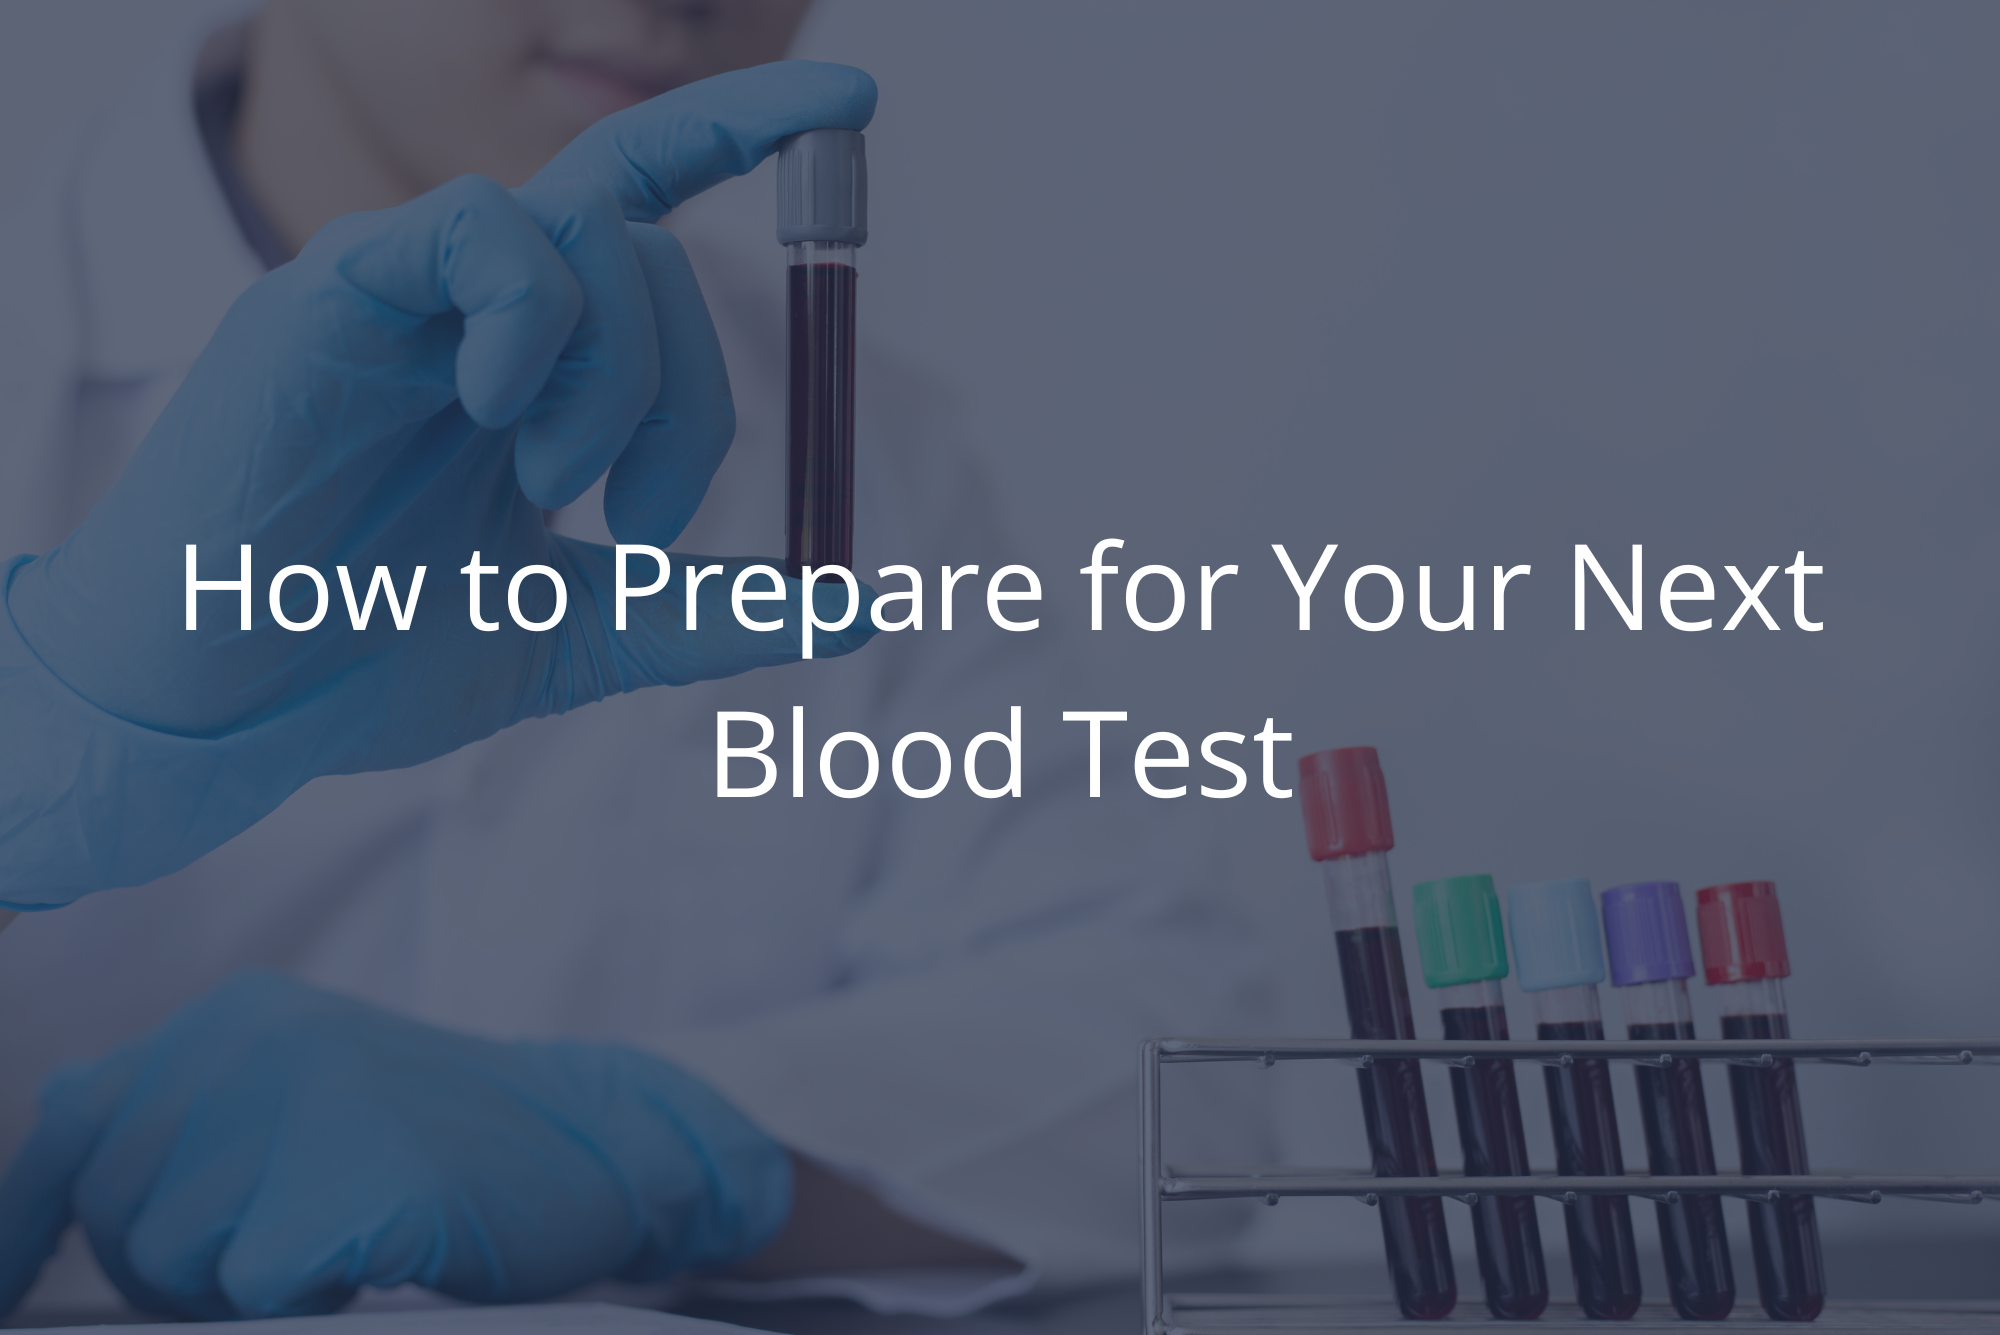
1346,803
1742,932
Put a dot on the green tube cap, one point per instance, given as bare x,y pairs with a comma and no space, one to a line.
1459,937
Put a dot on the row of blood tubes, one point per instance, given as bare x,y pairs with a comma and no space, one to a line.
1563,936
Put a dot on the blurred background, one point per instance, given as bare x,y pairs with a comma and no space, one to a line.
1458,285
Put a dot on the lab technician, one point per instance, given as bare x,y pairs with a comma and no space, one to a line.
538,1010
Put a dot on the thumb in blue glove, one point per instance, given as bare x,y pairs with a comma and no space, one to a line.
418,385
272,1149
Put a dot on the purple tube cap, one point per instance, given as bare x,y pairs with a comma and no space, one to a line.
1646,934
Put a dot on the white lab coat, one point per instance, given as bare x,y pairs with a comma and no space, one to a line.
939,998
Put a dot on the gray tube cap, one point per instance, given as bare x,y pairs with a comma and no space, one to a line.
823,187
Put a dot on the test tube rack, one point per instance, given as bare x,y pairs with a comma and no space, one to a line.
1258,1314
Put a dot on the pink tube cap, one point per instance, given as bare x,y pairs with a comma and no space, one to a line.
1742,932
1346,803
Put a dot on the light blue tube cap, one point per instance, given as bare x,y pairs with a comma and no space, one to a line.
1556,941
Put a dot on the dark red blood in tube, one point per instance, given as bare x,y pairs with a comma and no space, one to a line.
819,530
1771,1140
1693,1240
1585,1122
1505,1234
1398,1121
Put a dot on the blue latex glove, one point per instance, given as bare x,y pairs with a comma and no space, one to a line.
272,1148
418,385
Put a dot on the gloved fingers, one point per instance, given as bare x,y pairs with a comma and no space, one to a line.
470,246
663,152
174,1244
284,1260
658,482
657,648
224,1055
387,1213
608,375
37,1195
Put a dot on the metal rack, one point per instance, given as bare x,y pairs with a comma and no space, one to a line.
1241,1314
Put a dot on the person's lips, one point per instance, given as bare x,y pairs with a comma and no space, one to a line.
597,88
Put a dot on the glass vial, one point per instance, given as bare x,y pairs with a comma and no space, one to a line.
1559,961
822,220
1346,806
1646,940
1744,958
1464,953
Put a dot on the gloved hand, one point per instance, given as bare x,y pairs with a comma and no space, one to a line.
418,385
272,1148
